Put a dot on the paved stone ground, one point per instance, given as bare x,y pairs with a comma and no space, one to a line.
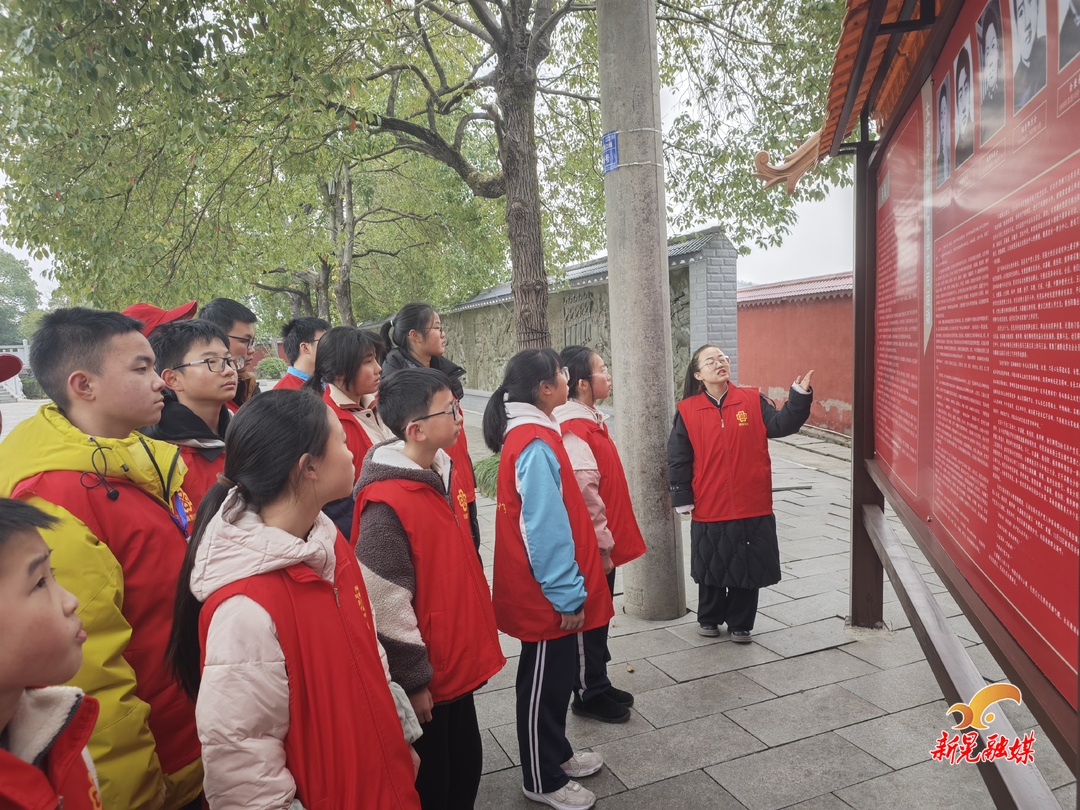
811,715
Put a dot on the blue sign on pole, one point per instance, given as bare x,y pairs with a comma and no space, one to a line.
610,145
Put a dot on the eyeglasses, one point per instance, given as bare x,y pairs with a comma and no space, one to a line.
247,341
440,329
715,362
565,372
603,372
455,411
215,364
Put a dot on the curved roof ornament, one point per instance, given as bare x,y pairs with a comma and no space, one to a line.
793,167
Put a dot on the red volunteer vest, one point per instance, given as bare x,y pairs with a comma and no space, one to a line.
732,469
452,601
64,780
462,483
521,609
356,437
289,382
345,747
629,544
201,474
149,544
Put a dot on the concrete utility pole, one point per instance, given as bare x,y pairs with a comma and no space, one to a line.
639,295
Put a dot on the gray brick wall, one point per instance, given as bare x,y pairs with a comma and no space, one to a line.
713,310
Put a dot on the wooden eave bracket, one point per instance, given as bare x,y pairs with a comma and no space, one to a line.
791,168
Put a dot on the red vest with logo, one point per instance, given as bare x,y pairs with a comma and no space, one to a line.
345,746
452,601
521,609
462,482
201,474
732,470
356,438
629,544
149,542
63,780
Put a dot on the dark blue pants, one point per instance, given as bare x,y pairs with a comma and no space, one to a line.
592,678
451,757
545,680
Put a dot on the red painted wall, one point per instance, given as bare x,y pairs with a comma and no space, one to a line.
783,340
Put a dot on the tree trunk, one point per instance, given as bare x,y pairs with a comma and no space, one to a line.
322,289
344,245
517,100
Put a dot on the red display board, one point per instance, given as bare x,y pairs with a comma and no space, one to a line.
977,391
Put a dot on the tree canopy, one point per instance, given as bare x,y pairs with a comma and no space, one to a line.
349,156
18,296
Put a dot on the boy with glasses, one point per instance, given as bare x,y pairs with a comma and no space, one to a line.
238,324
200,380
428,593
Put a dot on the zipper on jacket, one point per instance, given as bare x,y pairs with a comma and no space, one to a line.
336,600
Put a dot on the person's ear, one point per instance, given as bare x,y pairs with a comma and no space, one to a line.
306,467
414,431
81,385
174,380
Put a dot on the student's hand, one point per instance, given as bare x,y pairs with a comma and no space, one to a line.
804,383
422,704
415,761
609,566
572,622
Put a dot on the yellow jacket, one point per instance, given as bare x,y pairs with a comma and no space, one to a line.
118,547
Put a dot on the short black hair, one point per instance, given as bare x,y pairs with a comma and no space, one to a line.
171,341
300,330
17,517
407,394
225,312
70,339
342,351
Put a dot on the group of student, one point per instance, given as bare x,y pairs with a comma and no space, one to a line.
276,599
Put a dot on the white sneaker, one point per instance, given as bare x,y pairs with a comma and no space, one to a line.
570,796
582,763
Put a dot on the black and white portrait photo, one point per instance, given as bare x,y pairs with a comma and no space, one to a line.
1029,50
991,71
944,138
965,107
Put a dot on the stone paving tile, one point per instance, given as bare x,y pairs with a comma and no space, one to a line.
692,790
808,586
699,662
901,739
644,645
495,708
511,647
506,737
1066,796
805,638
686,701
495,759
797,772
671,751
624,624
644,677
810,671
897,689
894,616
929,784
825,802
586,733
767,597
812,548
505,679
816,565
804,714
885,649
962,627
828,605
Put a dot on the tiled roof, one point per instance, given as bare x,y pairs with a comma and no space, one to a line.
835,286
681,249
897,71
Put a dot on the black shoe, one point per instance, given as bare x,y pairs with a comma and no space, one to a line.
740,636
708,630
600,708
620,696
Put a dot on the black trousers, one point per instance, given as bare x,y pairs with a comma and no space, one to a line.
736,606
545,679
592,677
451,757
474,525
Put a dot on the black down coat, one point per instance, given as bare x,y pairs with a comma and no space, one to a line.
740,553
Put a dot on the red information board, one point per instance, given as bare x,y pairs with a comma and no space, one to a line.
977,392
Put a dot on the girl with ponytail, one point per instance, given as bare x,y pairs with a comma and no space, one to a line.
269,600
548,581
416,338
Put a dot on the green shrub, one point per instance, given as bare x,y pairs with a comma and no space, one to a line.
487,476
271,368
32,390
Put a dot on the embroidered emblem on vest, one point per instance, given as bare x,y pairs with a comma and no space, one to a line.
360,602
463,502
743,418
